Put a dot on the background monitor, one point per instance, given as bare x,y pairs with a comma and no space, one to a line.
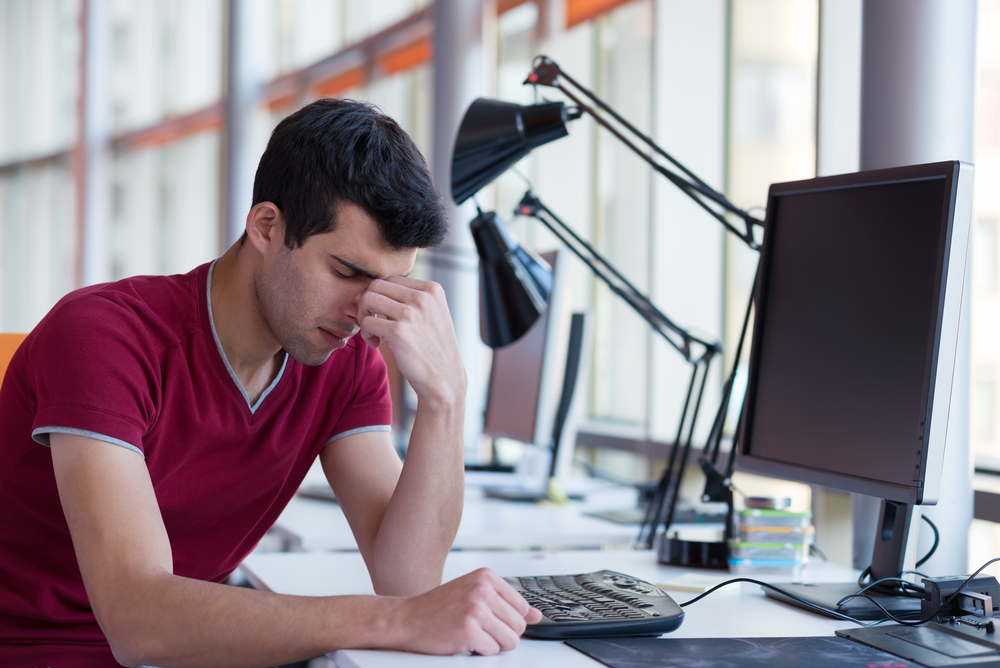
525,376
856,324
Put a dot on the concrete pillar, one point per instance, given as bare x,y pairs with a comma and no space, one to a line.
688,247
243,83
838,132
918,67
464,55
838,107
96,143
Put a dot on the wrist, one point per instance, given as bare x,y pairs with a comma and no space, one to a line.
444,399
393,628
377,623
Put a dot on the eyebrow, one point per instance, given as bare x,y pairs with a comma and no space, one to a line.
359,270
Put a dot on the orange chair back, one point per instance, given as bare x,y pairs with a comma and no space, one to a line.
8,345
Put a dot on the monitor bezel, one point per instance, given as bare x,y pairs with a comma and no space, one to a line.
940,362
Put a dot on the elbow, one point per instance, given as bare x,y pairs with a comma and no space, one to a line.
127,646
125,656
130,635
132,647
126,649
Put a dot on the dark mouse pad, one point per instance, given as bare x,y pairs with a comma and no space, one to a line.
816,652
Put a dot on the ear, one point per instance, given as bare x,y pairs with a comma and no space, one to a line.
265,226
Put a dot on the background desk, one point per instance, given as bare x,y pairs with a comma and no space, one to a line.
739,610
487,524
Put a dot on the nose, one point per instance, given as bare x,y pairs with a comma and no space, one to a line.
351,308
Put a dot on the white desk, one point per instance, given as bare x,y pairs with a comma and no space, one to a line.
487,524
738,610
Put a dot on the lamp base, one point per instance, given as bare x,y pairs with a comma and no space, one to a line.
675,551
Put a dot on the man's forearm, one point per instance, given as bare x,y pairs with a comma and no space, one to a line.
420,523
170,620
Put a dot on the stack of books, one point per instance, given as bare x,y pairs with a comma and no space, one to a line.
774,542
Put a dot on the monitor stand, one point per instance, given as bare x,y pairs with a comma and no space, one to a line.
887,561
827,594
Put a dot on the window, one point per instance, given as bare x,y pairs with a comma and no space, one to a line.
38,91
988,109
773,121
984,256
984,404
985,298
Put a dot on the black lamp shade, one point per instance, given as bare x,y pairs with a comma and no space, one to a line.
514,285
494,135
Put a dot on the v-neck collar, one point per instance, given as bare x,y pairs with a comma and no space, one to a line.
222,353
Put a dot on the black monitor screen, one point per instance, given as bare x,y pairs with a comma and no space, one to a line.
847,312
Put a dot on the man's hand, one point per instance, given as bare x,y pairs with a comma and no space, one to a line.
412,317
478,612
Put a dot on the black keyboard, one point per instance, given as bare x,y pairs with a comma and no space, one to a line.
599,604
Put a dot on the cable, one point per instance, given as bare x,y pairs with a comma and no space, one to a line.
888,615
946,602
818,608
818,552
907,586
934,547
930,553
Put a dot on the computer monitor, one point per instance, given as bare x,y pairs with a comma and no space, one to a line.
524,378
857,310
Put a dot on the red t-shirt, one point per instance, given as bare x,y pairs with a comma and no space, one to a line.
137,363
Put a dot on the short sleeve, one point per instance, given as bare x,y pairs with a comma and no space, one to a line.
370,407
93,368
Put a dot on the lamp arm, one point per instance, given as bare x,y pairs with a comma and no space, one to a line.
731,462
691,190
547,73
675,335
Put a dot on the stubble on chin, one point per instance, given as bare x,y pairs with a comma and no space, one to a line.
302,355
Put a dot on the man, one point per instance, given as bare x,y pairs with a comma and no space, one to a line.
182,412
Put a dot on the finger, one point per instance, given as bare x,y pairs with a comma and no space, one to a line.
428,296
401,292
374,303
501,632
374,329
412,283
510,616
510,595
485,645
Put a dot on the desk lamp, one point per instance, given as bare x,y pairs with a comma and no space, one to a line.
514,284
492,137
